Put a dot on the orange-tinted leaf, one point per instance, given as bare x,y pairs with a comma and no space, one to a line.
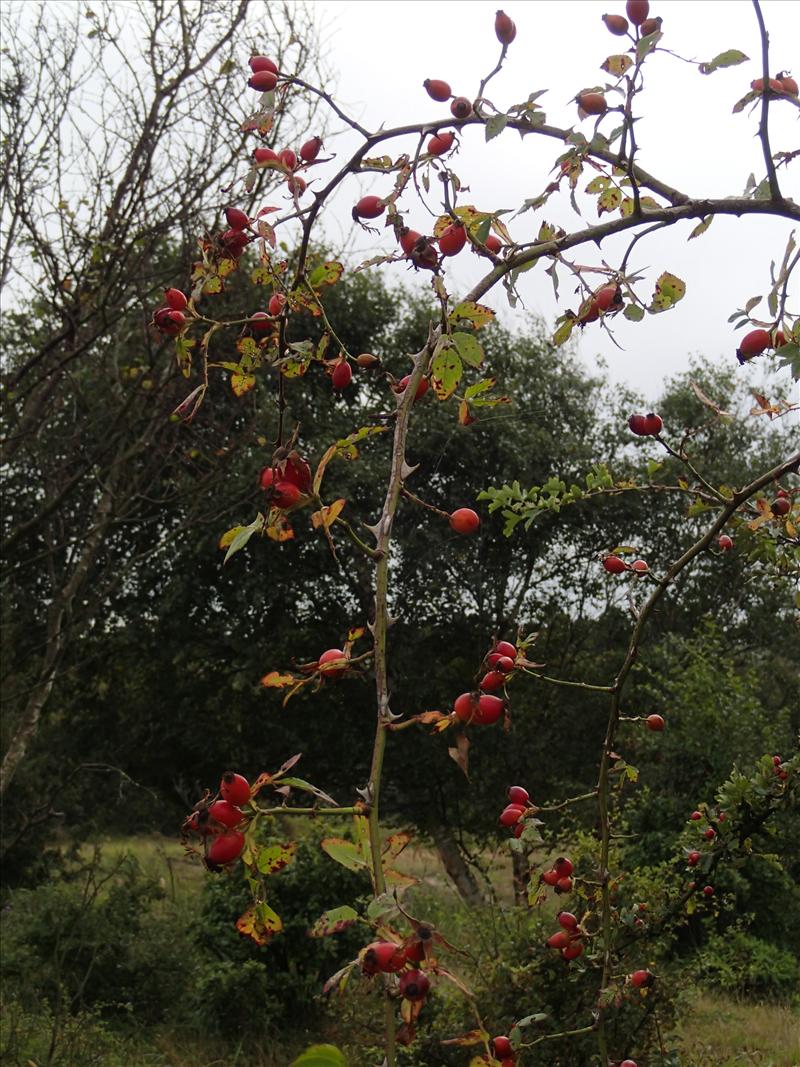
328,515
395,844
464,416
276,680
355,634
259,923
472,1037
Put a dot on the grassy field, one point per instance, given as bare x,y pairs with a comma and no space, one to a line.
718,1032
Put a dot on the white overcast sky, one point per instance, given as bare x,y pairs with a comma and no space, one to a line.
382,52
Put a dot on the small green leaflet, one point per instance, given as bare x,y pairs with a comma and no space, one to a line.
242,536
701,227
344,852
633,312
495,125
468,348
732,58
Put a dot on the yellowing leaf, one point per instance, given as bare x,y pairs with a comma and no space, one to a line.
328,515
326,274
446,369
616,66
259,923
242,383
469,311
669,290
274,858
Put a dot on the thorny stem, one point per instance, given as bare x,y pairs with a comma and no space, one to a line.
567,682
380,627
763,124
354,810
603,798
684,459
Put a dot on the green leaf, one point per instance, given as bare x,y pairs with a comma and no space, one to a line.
633,312
325,274
495,125
320,1056
564,331
243,535
301,783
446,369
274,858
732,58
669,290
477,388
701,227
469,311
468,348
242,383
344,852
334,921
616,66
645,45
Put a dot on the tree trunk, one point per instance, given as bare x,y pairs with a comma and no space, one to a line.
455,865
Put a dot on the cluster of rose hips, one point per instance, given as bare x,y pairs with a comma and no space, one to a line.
591,102
616,565
482,708
387,957
757,341
286,481
264,79
568,940
170,318
216,821
781,85
514,813
560,876
649,425
780,771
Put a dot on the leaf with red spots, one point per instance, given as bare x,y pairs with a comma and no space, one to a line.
274,858
259,923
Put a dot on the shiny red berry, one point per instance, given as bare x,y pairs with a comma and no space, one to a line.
518,795
655,723
369,207
637,11
310,150
453,239
226,813
175,299
342,375
441,142
511,815
263,80
225,848
592,103
234,788
258,63
724,543
615,565
616,24
437,90
464,521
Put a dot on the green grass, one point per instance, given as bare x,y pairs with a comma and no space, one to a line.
724,1032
